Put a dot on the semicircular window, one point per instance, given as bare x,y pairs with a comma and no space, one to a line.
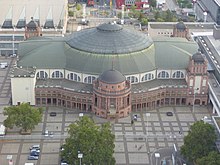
132,79
163,74
147,77
89,79
57,74
73,77
42,75
178,74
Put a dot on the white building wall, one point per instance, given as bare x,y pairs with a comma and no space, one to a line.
23,90
191,82
204,82
198,83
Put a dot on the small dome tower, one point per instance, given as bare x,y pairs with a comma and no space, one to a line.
32,29
112,95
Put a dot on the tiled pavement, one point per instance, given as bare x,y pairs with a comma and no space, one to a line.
132,145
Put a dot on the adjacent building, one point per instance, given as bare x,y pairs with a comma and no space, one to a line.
109,70
50,16
208,10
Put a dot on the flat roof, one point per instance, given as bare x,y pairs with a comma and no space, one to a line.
190,25
23,72
87,88
14,11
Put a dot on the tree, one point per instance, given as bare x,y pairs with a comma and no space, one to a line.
213,158
78,7
168,16
199,141
24,116
70,13
157,15
96,143
144,21
153,3
133,8
160,20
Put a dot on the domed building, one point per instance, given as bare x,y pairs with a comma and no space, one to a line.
109,70
32,29
181,30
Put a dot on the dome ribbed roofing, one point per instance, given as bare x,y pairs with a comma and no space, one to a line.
181,26
32,24
198,58
112,77
109,39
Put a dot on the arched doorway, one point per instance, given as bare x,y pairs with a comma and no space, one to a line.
197,101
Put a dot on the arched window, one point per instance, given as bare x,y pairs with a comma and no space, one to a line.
73,77
57,74
178,74
132,79
89,79
42,75
147,77
163,74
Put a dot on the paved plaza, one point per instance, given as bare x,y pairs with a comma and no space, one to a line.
135,144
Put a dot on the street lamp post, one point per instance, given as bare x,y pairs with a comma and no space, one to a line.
80,156
147,115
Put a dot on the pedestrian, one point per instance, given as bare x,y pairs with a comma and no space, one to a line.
57,127
132,122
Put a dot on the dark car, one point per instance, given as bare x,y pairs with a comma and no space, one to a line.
63,162
32,157
53,113
36,150
169,113
34,153
84,22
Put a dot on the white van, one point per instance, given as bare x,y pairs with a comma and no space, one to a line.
29,164
36,146
3,65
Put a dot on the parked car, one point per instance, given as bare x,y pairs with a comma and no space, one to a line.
35,146
35,150
51,134
32,157
63,162
34,153
53,114
13,55
84,22
46,133
61,148
164,162
135,117
169,113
